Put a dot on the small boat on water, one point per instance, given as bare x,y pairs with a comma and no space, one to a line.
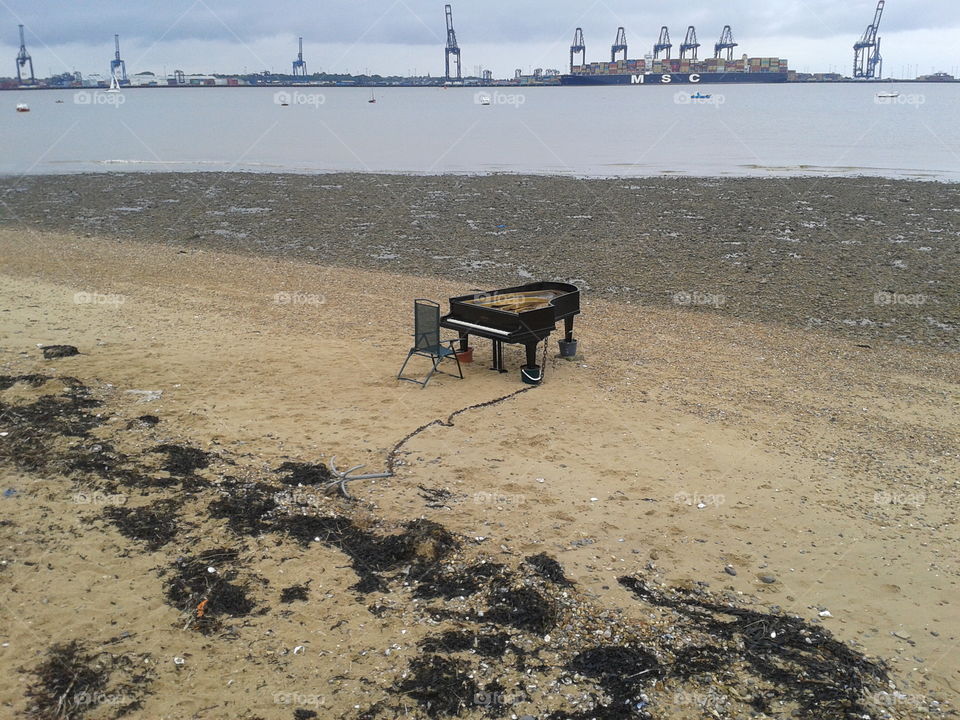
59,102
891,94
699,96
23,107
485,100
373,98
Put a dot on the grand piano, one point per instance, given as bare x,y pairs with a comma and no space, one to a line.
522,315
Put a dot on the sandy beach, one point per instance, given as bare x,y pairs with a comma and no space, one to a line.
743,491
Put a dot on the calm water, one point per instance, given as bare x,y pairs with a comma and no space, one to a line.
615,131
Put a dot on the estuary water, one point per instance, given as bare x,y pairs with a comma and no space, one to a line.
614,131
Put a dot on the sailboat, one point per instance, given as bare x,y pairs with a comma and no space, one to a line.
373,98
114,85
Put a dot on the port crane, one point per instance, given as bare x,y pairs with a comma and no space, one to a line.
578,47
452,47
24,59
619,45
867,62
118,68
663,44
690,44
299,66
726,43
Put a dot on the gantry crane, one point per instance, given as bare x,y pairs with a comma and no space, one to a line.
118,68
299,66
663,44
726,43
867,62
619,45
578,47
24,59
690,44
452,47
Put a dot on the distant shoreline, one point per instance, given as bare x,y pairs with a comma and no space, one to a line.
464,86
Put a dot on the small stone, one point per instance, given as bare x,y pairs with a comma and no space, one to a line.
901,634
730,570
825,613
767,578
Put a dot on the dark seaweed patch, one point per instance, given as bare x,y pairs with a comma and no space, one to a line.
422,542
436,497
620,670
441,686
52,352
295,473
71,681
208,596
523,608
294,593
488,645
436,582
182,461
33,380
34,427
804,663
548,567
244,506
154,525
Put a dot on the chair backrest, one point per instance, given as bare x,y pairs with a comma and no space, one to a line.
426,324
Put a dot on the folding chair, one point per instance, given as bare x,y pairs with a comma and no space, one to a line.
427,342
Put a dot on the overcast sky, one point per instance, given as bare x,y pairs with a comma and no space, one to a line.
400,36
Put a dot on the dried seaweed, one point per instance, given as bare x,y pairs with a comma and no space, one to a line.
154,525
486,644
52,352
295,592
522,607
548,567
181,460
72,681
244,506
803,663
295,473
203,587
441,686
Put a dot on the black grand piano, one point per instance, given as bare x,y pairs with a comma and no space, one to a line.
522,315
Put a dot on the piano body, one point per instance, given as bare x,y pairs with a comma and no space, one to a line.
525,315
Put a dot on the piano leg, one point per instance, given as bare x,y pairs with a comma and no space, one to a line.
464,341
532,354
568,328
498,356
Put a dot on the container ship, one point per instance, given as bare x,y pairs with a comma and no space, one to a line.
679,72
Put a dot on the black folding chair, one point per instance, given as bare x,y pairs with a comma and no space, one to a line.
427,342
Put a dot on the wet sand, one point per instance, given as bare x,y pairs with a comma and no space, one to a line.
766,466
